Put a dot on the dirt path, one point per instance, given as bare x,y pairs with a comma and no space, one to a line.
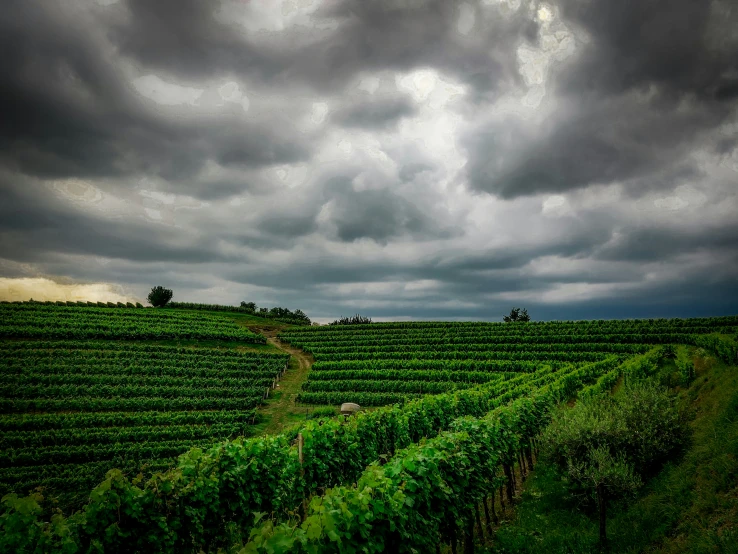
280,409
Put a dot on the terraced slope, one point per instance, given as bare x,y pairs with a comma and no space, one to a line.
384,363
23,320
70,410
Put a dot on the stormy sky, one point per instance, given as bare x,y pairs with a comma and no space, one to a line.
405,159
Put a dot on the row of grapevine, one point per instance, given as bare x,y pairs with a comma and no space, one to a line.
53,322
386,349
210,499
100,404
576,326
427,493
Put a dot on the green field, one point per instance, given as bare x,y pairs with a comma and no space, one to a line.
384,363
461,407
72,407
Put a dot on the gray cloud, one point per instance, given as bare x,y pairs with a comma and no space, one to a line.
374,114
394,158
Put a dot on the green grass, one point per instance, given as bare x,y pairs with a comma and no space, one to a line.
690,506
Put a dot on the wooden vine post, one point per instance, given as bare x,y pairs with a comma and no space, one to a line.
300,446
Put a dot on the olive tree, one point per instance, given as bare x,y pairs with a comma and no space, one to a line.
607,445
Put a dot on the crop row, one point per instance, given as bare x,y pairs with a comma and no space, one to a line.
77,479
123,391
446,365
124,349
81,421
471,377
265,475
480,347
141,369
381,335
40,310
134,332
156,450
708,322
530,355
35,383
404,386
77,323
137,404
109,435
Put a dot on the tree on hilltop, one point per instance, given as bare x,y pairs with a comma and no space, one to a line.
517,315
356,320
249,306
159,296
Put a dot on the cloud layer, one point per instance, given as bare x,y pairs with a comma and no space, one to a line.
406,159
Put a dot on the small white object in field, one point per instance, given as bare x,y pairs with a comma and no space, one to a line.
348,408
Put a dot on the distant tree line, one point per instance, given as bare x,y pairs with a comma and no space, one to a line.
297,317
355,320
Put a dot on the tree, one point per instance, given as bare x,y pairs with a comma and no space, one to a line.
159,296
517,316
250,306
606,445
607,475
356,320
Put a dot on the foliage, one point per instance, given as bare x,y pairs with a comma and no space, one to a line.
516,316
326,411
355,320
56,322
298,317
606,445
401,476
668,352
383,363
132,401
689,506
159,296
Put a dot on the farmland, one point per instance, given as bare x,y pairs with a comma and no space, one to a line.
385,363
460,408
72,407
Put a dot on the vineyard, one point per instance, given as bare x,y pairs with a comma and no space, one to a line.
385,363
467,404
23,320
72,408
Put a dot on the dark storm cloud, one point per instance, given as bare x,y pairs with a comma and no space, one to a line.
185,39
655,244
377,114
34,224
651,82
681,47
605,141
70,112
395,225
